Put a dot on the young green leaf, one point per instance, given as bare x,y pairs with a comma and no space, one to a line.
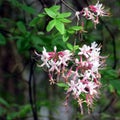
50,12
50,25
65,37
60,27
70,31
65,20
62,85
55,8
70,46
41,15
64,15
76,47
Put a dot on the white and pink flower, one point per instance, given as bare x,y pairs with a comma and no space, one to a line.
82,77
93,12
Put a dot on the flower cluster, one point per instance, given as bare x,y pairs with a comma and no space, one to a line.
84,85
93,12
81,75
55,62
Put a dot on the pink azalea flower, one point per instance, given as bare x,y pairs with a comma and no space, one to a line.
84,51
80,87
98,9
92,88
64,56
45,57
93,12
72,87
54,66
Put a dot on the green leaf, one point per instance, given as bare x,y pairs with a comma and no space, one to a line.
70,46
50,25
76,47
50,12
3,102
62,85
24,110
64,15
34,21
112,73
37,42
41,15
65,37
70,31
115,84
23,43
2,40
60,27
22,6
55,8
28,9
21,27
76,28
73,29
65,20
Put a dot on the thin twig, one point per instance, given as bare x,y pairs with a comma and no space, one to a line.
68,6
34,92
33,105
